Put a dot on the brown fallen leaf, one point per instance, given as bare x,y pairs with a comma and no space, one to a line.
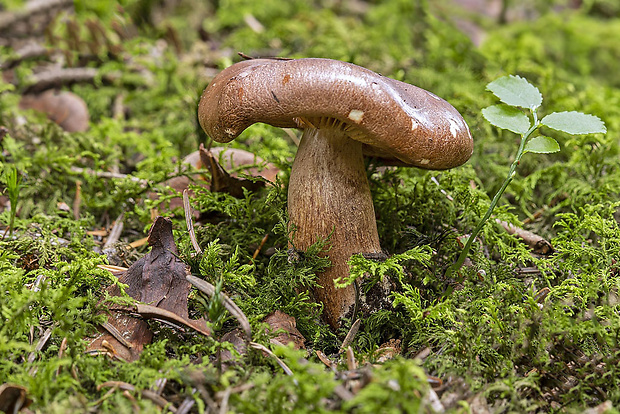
285,328
64,108
388,350
234,337
219,161
158,280
13,398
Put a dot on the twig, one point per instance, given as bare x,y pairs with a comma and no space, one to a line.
77,201
107,174
118,107
235,390
116,334
435,402
58,77
139,242
534,241
260,246
190,222
148,311
448,196
29,50
115,270
351,362
40,344
323,358
61,351
253,23
423,354
343,393
115,233
266,350
160,384
224,403
291,134
157,399
32,7
186,405
350,335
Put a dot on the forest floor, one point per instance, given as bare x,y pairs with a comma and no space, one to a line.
139,272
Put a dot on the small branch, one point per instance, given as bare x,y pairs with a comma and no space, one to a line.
148,311
28,51
325,360
107,174
224,402
58,77
115,233
32,7
260,246
266,350
350,335
77,201
111,329
351,362
535,242
157,399
190,223
115,270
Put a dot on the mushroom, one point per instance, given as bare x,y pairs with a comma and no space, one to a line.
345,111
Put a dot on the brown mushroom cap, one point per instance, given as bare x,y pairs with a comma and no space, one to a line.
396,119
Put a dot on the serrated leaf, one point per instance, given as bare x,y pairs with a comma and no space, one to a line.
516,91
507,117
542,145
574,123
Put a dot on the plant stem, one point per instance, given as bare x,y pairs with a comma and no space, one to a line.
511,173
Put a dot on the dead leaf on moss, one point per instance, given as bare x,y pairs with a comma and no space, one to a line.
158,280
285,328
234,337
388,350
13,398
225,166
64,108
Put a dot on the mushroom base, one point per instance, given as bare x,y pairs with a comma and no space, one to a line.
329,198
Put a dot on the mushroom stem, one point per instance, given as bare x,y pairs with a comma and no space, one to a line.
329,197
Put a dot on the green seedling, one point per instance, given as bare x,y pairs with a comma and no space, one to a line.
517,95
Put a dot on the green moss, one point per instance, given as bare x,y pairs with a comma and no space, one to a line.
499,332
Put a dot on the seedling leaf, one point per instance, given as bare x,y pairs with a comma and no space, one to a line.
507,117
516,91
542,145
574,123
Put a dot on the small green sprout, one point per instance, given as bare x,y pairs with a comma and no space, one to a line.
518,94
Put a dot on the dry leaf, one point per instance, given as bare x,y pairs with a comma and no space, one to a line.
13,398
285,328
64,108
219,161
157,279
